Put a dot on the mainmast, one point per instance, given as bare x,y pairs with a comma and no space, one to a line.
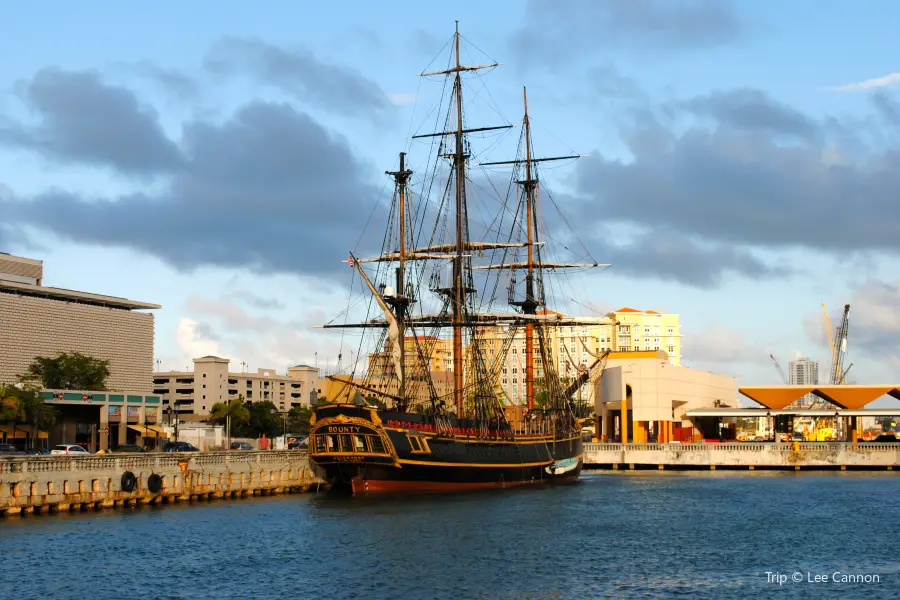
460,288
529,306
461,229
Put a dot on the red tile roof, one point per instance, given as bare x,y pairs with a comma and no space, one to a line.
628,310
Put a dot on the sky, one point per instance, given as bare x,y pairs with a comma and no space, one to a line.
740,160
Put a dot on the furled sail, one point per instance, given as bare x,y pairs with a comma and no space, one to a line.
395,333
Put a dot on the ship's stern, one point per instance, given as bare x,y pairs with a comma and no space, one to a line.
346,442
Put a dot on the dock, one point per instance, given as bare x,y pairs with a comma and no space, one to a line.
796,456
57,483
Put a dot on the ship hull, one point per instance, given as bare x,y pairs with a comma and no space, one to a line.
361,450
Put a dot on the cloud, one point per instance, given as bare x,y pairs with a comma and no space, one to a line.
664,255
268,189
868,84
753,111
195,340
732,183
557,32
82,119
403,98
887,108
609,82
177,83
256,301
260,341
299,73
718,344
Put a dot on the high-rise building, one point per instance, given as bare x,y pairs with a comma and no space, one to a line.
36,320
803,371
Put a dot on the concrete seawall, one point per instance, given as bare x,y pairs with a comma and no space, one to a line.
37,484
806,456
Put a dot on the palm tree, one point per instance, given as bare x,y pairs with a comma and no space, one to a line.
226,411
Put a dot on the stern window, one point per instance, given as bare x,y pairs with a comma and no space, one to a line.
376,444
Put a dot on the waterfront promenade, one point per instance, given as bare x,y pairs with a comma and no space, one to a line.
68,483
744,455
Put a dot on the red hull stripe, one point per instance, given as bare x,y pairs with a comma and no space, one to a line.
361,486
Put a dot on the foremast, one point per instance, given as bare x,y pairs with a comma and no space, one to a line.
401,301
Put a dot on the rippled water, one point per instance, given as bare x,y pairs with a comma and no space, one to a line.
634,535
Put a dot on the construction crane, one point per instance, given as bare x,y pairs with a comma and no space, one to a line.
778,368
839,349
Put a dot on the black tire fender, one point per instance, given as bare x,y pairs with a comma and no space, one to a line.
129,481
154,483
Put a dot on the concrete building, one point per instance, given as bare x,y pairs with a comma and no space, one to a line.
803,371
36,320
193,393
657,394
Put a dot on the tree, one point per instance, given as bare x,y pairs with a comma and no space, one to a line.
23,404
233,408
232,414
298,420
264,419
68,371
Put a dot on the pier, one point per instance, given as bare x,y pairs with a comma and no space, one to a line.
745,455
37,484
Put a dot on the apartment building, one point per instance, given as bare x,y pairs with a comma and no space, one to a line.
574,348
193,393
36,320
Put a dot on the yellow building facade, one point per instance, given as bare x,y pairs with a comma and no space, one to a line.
575,347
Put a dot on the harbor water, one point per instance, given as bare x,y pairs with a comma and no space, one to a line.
614,534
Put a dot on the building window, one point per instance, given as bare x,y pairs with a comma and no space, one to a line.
671,349
515,380
204,396
204,376
204,386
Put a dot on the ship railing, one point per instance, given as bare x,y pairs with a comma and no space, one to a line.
748,447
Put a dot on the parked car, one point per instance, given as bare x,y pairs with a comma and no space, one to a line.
68,449
887,437
298,444
127,448
179,447
8,449
37,451
241,446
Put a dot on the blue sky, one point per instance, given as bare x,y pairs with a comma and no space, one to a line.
725,177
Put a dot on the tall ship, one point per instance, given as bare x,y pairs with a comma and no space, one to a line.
447,299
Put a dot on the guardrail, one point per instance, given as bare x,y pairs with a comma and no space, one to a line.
65,482
802,455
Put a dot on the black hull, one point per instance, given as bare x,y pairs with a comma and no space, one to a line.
430,462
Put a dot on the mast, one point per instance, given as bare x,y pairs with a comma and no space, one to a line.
401,301
529,306
458,289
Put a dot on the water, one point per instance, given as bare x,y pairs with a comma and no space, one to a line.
631,535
